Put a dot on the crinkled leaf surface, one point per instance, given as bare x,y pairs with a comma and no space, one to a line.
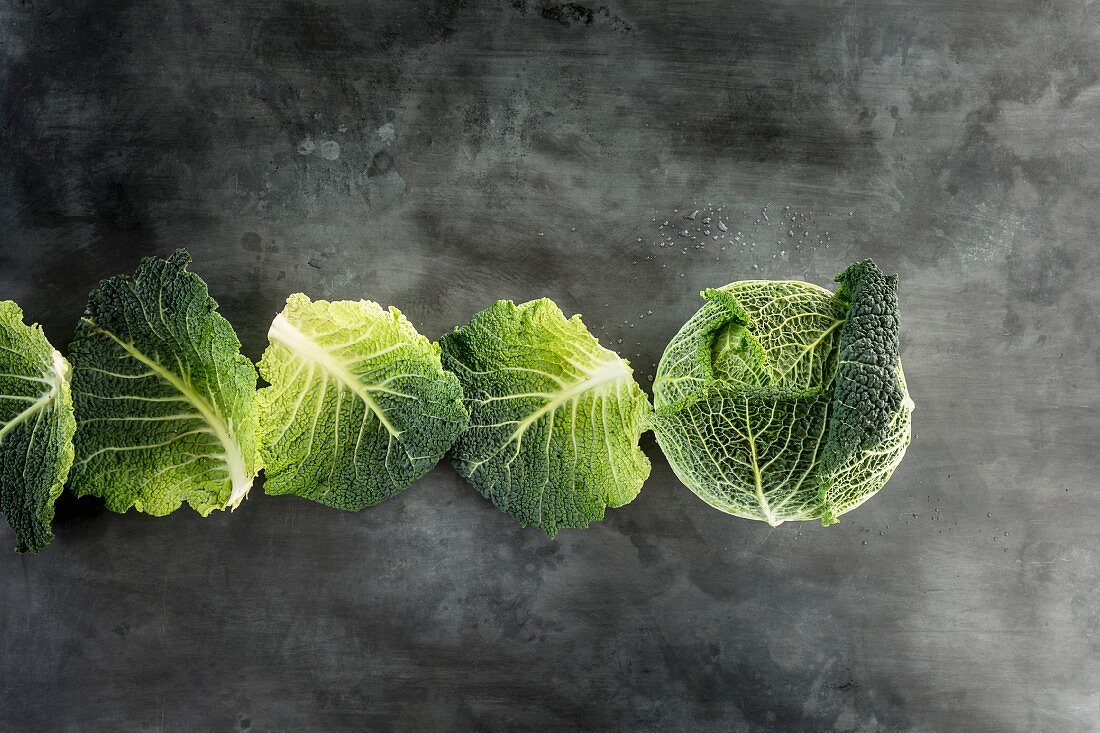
36,428
870,422
359,405
779,400
554,417
163,396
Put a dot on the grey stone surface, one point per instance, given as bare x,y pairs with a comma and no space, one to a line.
439,155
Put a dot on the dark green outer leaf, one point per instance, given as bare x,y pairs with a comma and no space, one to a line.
36,429
163,395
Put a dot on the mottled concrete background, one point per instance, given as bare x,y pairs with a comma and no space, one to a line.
439,155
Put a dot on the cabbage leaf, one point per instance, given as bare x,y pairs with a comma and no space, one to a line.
163,396
555,418
36,429
359,405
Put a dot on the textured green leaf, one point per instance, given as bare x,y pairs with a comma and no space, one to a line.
867,390
359,405
555,418
869,426
781,401
163,396
36,428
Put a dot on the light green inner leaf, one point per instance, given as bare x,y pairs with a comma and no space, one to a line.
359,405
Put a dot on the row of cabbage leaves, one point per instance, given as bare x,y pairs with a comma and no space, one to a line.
777,400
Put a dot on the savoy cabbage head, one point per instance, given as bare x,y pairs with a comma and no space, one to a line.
781,401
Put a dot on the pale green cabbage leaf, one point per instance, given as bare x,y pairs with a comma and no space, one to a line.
359,405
